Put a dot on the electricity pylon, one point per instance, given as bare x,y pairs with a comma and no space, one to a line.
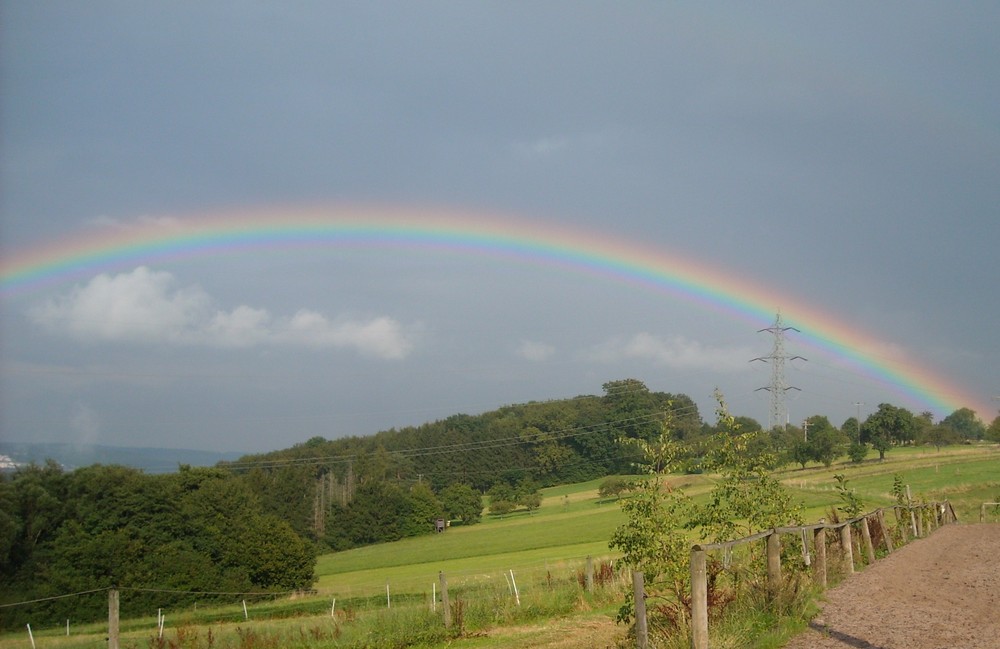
779,414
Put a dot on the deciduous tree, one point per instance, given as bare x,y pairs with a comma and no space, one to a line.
462,502
826,444
993,432
887,426
652,539
503,499
857,452
965,422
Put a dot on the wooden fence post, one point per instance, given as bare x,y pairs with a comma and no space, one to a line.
774,563
866,535
880,516
444,600
590,574
900,525
819,562
113,619
699,599
639,594
845,547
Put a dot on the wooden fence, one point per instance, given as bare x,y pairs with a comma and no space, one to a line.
923,518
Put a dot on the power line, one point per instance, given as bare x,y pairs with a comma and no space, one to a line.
49,599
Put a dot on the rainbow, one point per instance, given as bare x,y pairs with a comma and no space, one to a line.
168,239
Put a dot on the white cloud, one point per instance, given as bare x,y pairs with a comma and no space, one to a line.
146,306
141,306
244,326
677,352
535,351
382,336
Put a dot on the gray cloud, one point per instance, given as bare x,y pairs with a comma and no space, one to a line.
844,157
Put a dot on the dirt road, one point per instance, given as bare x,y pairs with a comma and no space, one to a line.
935,593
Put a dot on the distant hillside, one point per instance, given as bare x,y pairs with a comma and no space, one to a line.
150,460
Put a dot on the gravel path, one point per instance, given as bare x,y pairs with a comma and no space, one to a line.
936,593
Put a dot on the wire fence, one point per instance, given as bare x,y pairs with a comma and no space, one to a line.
437,594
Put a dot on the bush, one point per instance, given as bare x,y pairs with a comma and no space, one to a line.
857,452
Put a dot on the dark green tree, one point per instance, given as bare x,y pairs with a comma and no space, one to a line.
993,432
460,501
965,422
881,444
528,494
613,486
272,554
800,453
857,452
424,509
887,426
36,501
632,410
826,444
851,427
941,435
377,514
503,499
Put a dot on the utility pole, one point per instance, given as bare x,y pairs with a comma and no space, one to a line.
805,430
778,386
859,404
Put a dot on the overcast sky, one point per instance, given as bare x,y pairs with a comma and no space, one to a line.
844,154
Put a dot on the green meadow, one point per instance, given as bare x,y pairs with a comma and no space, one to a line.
573,522
386,590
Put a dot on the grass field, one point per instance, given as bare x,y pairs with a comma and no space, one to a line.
543,552
574,523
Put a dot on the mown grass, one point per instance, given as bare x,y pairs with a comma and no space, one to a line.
959,474
545,550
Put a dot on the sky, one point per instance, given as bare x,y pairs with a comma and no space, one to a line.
549,195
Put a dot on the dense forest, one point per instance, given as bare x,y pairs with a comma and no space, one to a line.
192,532
255,525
